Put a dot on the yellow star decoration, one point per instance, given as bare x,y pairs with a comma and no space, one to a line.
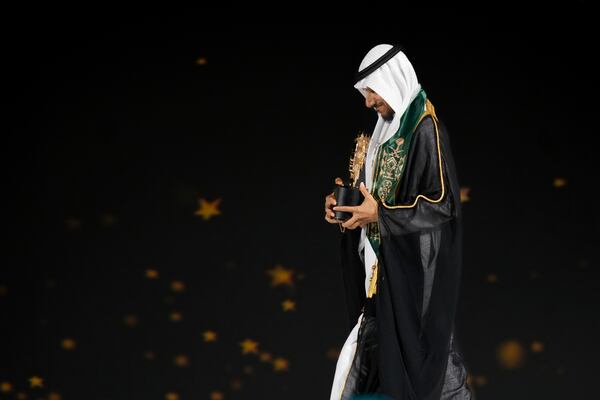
5,387
537,346
280,364
201,61
182,361
176,316
511,354
68,344
492,278
281,276
216,395
171,396
151,273
36,381
464,194
559,182
54,396
177,286
265,357
210,336
131,320
288,305
207,209
249,346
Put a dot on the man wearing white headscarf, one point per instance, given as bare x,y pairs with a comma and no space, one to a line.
401,269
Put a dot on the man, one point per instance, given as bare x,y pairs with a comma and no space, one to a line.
401,269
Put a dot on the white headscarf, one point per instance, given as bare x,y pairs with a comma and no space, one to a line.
396,82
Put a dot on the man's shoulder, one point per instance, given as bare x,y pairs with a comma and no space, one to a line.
426,124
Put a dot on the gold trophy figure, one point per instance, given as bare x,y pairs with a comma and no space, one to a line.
348,194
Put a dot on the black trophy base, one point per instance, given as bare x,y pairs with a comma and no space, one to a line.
346,195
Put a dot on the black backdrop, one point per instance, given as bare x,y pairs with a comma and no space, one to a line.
115,130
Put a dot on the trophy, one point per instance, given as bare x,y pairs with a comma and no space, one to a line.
348,194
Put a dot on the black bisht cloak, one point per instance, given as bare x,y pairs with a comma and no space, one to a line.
415,305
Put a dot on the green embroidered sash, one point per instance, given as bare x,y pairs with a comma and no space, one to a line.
390,161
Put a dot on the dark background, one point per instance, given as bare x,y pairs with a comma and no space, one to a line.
114,132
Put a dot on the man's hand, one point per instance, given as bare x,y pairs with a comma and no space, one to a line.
330,202
363,214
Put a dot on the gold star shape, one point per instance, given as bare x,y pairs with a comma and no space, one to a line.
151,273
171,396
216,395
210,336
36,381
492,278
208,209
182,360
5,387
177,286
281,276
130,320
280,364
68,344
559,182
464,194
176,316
265,357
201,61
288,305
249,346
510,354
54,396
537,346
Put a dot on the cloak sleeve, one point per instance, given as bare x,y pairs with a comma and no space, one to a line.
420,263
353,272
422,199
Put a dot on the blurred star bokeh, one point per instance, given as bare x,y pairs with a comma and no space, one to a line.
165,191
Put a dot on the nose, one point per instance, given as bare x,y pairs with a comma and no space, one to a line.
369,102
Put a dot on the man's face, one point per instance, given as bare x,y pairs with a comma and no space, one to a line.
376,102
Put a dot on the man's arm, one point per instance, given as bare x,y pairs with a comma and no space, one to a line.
424,198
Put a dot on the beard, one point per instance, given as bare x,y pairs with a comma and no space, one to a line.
388,116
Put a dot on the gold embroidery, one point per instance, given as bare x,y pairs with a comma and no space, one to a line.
373,282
